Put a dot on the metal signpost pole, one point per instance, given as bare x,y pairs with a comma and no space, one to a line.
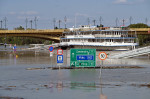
66,56
101,77
59,57
51,54
50,59
102,56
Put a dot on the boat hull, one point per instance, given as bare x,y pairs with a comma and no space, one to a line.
104,48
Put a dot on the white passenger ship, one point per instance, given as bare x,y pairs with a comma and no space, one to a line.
110,39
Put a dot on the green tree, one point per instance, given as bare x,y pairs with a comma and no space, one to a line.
19,28
138,25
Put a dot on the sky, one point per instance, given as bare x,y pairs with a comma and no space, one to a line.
76,11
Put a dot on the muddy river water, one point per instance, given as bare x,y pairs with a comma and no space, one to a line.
18,82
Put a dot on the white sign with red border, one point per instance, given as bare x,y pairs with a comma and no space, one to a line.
102,55
59,52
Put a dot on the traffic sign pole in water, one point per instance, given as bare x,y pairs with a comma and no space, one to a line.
102,56
51,53
59,57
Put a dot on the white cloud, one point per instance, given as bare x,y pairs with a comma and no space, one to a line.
29,13
121,2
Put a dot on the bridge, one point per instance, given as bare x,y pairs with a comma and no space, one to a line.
53,34
141,31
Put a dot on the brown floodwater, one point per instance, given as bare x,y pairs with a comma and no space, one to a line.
17,81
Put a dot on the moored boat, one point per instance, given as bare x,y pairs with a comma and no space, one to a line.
109,39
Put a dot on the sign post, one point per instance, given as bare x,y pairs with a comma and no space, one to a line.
102,56
60,59
51,53
51,50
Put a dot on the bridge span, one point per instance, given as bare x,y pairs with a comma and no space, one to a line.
141,31
52,34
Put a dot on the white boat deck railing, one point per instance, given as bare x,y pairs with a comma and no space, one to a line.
99,44
132,53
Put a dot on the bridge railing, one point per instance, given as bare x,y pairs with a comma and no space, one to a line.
32,31
136,52
140,29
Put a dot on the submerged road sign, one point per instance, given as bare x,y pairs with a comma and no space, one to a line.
59,58
102,55
59,52
83,57
51,48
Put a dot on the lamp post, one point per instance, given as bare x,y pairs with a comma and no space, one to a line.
94,22
100,20
26,23
116,22
35,20
130,20
88,21
1,24
59,21
31,23
5,20
54,21
65,19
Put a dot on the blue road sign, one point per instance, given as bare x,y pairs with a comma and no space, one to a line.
85,57
59,58
51,48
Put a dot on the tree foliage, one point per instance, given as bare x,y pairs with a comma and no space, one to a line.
19,28
24,40
138,25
